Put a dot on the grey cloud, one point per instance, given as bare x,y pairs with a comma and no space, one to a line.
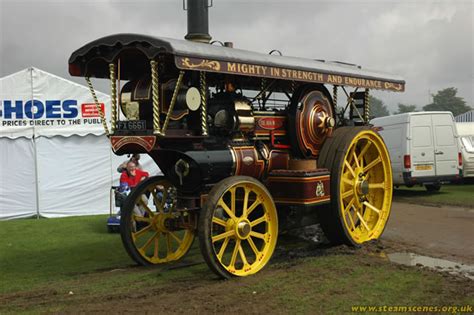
430,43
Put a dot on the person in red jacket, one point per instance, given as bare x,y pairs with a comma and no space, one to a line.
132,175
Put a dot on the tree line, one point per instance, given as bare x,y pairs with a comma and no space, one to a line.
443,100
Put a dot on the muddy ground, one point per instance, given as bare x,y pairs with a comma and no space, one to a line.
443,231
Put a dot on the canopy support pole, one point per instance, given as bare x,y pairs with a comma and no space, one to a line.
367,106
350,102
203,103
156,97
173,101
113,95
97,105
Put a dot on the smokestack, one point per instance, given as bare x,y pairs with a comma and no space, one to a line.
198,20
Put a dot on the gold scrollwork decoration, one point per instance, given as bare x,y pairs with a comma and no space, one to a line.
210,64
395,86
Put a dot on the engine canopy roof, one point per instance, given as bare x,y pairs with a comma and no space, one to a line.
93,58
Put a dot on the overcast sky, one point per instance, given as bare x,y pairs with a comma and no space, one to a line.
429,43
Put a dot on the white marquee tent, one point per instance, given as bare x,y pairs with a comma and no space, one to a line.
55,160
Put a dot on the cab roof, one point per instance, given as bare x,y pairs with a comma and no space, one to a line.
93,58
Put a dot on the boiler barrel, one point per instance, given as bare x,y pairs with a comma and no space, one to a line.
197,168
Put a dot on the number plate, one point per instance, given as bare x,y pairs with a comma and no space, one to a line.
423,167
132,125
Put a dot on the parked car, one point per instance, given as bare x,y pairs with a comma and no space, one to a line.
466,143
423,148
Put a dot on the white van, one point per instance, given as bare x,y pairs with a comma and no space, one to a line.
423,148
466,142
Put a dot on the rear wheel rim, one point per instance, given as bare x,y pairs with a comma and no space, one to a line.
152,240
244,229
365,187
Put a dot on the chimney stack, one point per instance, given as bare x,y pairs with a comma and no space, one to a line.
198,20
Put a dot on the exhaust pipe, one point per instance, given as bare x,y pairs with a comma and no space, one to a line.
198,20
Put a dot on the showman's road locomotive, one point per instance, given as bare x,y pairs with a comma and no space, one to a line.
249,144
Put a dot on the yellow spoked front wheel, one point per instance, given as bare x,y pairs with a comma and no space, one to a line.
152,231
361,185
238,227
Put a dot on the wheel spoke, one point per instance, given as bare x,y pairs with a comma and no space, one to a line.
168,244
362,221
355,158
142,231
176,238
223,247
139,218
246,202
349,167
367,204
348,193
232,200
163,199
242,255
234,253
364,150
148,242
349,205
258,221
347,181
219,221
157,201
348,214
377,185
222,235
145,206
157,242
253,246
253,206
229,212
372,164
257,235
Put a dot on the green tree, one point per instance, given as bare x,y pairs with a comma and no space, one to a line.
402,108
377,107
447,100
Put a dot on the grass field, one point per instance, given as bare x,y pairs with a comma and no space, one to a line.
73,264
452,195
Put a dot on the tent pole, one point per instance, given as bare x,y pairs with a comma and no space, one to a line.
35,152
36,177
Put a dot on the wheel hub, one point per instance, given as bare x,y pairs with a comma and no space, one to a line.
159,223
243,229
363,187
361,183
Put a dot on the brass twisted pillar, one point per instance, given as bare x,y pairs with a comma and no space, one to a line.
155,96
97,105
113,95
367,106
202,78
173,102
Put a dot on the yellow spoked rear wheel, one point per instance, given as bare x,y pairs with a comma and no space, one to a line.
361,186
149,224
238,227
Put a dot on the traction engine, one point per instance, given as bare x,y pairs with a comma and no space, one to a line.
249,144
